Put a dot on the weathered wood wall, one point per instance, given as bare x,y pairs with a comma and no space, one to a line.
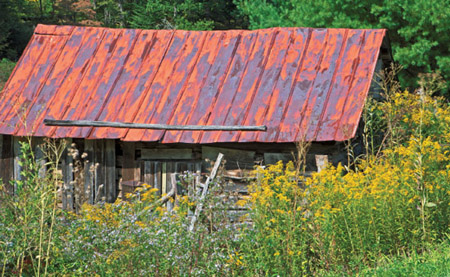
110,164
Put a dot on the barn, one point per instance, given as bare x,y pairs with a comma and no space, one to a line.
302,84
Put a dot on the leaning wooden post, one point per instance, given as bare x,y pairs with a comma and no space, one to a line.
199,207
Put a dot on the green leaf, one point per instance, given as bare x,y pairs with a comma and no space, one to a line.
430,205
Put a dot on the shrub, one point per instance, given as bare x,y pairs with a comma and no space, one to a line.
388,204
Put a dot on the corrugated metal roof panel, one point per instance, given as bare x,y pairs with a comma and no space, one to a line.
301,83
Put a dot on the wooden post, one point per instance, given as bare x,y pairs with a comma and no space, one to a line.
67,171
158,177
110,170
128,161
38,144
17,155
164,178
100,169
149,169
169,185
137,171
321,162
89,169
7,162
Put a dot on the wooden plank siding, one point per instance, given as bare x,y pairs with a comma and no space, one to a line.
112,162
128,166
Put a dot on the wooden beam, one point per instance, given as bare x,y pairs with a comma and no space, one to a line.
91,123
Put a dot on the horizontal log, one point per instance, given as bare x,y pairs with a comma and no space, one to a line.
90,123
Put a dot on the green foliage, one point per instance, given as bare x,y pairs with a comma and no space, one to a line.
14,30
6,67
419,30
173,14
18,18
435,262
113,13
186,14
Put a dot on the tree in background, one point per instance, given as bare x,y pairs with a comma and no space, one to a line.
419,30
14,30
74,12
186,14
18,18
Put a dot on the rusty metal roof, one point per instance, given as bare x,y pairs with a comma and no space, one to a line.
302,83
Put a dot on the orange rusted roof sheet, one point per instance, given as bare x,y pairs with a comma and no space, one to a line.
301,83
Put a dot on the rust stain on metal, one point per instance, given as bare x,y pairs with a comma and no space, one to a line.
301,83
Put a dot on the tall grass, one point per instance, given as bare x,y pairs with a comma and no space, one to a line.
28,215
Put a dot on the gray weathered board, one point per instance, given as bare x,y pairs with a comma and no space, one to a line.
166,154
235,158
